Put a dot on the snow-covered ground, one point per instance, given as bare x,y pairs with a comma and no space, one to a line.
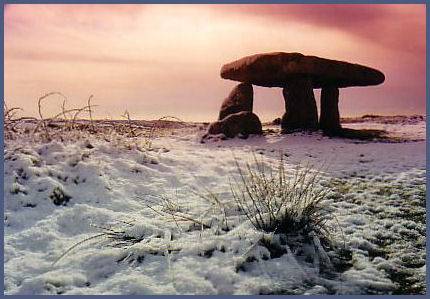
59,193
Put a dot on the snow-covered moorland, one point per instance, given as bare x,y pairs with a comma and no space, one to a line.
129,198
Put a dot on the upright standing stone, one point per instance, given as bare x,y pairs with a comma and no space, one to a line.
329,117
300,107
240,99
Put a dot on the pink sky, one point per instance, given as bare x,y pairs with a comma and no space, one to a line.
156,60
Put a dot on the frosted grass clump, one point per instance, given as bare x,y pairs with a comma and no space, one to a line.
278,201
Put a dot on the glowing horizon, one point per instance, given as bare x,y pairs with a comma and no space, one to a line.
156,60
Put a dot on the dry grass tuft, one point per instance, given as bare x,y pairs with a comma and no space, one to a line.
274,201
111,236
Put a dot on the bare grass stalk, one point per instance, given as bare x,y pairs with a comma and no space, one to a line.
176,215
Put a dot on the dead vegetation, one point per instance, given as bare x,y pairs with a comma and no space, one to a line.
73,123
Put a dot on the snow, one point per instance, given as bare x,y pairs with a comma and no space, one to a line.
377,195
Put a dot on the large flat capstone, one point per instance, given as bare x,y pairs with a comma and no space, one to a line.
278,68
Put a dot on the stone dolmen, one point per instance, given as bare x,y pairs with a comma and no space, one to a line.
298,75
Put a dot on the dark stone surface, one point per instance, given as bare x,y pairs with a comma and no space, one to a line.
244,123
275,69
300,107
239,99
329,116
277,121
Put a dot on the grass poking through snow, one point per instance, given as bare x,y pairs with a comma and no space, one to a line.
280,202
